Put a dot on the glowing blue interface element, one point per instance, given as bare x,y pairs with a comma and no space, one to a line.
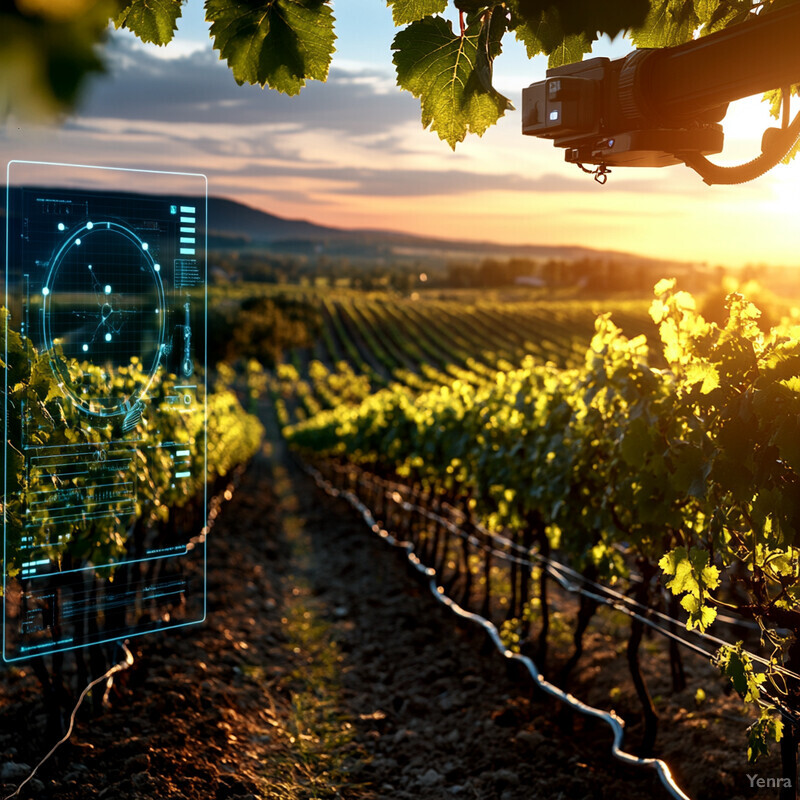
105,405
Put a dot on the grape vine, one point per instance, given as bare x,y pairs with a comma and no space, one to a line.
681,460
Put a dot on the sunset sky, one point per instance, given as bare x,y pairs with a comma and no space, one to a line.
352,153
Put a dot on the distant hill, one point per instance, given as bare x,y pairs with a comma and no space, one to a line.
235,226
233,220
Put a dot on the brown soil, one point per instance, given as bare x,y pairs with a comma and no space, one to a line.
325,670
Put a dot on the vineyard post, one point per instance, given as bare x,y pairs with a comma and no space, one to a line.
675,661
517,600
486,607
789,762
525,578
637,628
431,542
380,501
440,564
540,534
789,739
586,610
466,596
97,660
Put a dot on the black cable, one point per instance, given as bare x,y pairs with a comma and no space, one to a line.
776,145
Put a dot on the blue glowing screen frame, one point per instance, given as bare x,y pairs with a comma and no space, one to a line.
122,376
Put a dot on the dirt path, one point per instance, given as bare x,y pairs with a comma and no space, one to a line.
435,717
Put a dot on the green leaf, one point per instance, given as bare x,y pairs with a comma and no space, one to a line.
766,729
708,575
45,59
544,33
691,470
677,563
702,372
280,43
787,439
736,665
441,68
406,11
151,20
774,98
669,22
700,616
569,50
636,443
586,17
713,15
692,576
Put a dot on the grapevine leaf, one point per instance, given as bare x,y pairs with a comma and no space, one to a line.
440,68
46,58
766,729
544,33
540,36
691,470
774,98
692,576
151,20
708,574
569,50
736,665
700,371
636,443
669,22
280,43
700,616
587,17
787,441
664,286
677,563
782,564
714,15
406,11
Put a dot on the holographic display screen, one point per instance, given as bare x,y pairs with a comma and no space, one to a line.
104,412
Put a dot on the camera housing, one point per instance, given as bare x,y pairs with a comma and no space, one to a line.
601,113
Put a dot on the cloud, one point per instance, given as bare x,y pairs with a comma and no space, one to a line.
372,182
199,88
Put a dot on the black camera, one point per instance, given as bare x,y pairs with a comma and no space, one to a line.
657,107
603,112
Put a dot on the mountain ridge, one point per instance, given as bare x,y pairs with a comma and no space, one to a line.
234,219
235,225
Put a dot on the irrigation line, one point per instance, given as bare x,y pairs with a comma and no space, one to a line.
108,677
616,723
570,586
563,568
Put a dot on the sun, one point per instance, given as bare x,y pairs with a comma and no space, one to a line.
785,185
744,125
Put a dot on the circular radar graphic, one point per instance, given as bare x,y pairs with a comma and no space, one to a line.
102,310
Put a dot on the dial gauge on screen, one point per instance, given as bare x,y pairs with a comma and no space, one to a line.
103,306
